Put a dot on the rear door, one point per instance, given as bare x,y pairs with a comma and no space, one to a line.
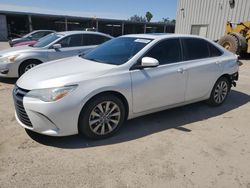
202,61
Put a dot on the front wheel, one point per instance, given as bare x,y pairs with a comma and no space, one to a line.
27,65
101,117
219,92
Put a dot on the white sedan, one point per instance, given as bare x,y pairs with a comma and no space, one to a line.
124,78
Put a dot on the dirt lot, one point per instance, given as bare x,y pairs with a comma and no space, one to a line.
191,146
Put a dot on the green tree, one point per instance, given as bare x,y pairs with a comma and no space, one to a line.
173,21
165,20
149,16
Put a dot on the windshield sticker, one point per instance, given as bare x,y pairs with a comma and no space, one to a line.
142,41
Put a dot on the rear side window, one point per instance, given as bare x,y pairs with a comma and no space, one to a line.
71,41
195,49
214,51
92,39
167,51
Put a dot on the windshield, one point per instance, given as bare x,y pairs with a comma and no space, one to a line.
117,51
45,41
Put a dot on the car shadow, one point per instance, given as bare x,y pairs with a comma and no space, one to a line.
8,80
150,124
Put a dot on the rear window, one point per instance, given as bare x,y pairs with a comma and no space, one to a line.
195,49
214,51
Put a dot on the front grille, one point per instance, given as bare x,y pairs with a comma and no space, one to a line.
18,95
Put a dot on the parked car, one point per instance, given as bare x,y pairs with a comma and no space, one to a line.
30,37
15,61
124,78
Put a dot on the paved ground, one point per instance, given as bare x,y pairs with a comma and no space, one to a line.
191,146
4,45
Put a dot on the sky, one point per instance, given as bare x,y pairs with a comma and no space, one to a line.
116,9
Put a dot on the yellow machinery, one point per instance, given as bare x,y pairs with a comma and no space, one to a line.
237,38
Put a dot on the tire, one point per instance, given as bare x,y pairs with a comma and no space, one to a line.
93,126
220,92
25,66
231,43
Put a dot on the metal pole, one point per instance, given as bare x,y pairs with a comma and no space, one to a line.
66,24
145,28
30,23
122,28
97,25
165,26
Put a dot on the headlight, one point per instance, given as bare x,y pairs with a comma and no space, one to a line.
51,94
9,59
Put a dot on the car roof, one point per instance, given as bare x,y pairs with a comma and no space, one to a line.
154,36
42,30
66,33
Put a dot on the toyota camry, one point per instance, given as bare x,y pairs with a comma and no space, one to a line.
124,78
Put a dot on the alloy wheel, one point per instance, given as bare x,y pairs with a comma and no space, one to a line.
220,92
104,117
30,66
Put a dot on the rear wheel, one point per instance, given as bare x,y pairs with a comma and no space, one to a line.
231,43
219,92
101,117
27,65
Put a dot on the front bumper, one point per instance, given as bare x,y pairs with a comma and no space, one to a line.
58,118
234,77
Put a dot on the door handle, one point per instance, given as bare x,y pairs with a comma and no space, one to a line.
180,70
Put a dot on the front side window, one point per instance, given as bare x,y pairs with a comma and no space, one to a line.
93,39
117,51
71,41
195,49
167,51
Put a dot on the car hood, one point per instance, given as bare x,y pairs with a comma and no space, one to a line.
62,72
17,50
30,42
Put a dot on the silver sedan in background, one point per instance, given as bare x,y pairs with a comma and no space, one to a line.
15,61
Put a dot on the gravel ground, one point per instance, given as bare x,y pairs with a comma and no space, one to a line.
190,146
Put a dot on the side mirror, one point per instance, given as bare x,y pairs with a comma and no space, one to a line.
149,62
57,46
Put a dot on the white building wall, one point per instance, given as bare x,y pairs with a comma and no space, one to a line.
213,13
3,28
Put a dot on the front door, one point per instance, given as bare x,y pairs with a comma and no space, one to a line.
163,85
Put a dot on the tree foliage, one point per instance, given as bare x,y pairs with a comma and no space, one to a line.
168,21
137,18
149,16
